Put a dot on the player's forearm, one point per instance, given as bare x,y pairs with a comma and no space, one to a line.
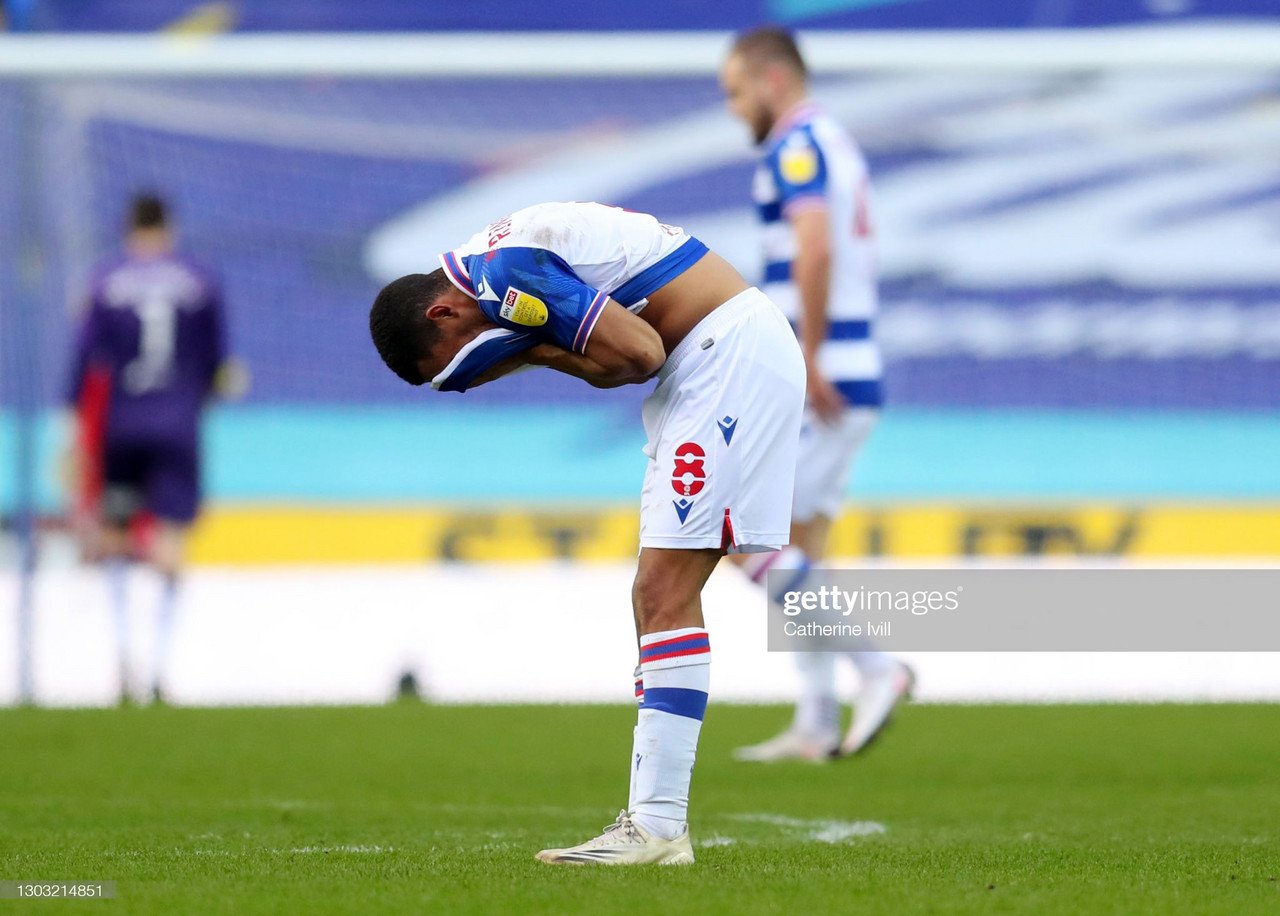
581,366
811,272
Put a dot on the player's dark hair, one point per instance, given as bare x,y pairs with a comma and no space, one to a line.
148,211
770,44
401,330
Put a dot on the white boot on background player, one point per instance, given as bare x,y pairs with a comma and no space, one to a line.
874,703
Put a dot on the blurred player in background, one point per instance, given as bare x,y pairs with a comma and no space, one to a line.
812,193
150,353
617,298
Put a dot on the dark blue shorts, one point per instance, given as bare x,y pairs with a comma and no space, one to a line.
163,479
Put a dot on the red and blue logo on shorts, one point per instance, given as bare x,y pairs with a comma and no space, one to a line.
688,476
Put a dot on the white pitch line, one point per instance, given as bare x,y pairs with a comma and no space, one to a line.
823,830
716,840
294,851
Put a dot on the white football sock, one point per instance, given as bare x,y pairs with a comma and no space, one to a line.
758,565
676,669
117,570
631,767
817,710
165,611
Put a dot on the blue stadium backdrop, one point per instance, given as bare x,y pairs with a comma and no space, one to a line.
574,15
1081,281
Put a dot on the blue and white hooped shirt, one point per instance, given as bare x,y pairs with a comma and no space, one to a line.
809,161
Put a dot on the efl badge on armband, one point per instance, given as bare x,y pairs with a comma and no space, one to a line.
521,308
798,163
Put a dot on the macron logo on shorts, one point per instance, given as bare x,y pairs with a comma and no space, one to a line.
727,426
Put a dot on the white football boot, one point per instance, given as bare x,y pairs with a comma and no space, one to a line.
624,842
792,744
874,706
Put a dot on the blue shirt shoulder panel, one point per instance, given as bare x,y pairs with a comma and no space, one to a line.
797,164
535,291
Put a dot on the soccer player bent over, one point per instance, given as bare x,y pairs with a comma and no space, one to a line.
617,298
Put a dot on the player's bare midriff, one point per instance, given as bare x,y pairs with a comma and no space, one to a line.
675,309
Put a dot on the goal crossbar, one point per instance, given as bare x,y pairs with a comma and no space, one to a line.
632,54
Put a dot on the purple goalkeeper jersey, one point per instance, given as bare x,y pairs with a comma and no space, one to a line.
156,325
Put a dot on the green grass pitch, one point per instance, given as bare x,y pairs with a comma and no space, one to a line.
413,809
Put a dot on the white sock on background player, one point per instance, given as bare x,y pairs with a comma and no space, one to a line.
117,571
817,669
757,567
817,707
165,611
675,669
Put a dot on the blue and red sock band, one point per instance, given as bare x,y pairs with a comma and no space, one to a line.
692,644
675,670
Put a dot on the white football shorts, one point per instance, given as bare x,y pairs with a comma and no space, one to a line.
825,460
724,429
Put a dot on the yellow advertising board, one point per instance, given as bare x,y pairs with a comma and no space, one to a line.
279,534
